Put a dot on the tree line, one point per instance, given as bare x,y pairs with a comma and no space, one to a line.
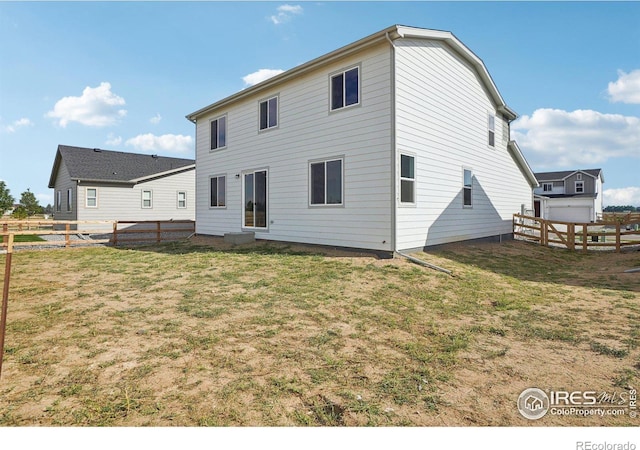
626,208
28,205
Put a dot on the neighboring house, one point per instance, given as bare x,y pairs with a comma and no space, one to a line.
569,196
94,184
397,141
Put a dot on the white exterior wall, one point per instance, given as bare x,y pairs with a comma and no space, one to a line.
307,130
442,119
570,209
125,203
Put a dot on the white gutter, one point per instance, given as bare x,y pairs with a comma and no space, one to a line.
394,150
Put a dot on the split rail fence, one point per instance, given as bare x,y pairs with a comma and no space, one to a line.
93,232
605,235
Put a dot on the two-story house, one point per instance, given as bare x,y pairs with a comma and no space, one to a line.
569,196
397,141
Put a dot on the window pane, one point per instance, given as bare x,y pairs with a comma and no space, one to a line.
273,112
492,138
261,199
317,184
406,191
263,115
467,196
467,178
407,166
336,92
334,182
492,122
214,192
351,86
222,132
214,134
222,200
248,200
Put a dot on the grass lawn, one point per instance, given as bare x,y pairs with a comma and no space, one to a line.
27,238
202,334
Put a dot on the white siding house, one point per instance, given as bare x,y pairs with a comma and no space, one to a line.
94,184
570,195
397,141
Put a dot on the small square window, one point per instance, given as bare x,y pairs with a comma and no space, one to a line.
547,187
579,187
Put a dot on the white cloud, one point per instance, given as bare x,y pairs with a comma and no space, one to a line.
173,143
622,196
260,75
96,107
17,124
555,138
285,13
113,140
626,88
156,119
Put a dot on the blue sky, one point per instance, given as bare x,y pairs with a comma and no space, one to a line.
123,75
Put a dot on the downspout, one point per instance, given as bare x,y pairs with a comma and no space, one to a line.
394,224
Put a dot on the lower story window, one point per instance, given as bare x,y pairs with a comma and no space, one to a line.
182,200
92,198
218,191
326,182
407,179
467,188
147,199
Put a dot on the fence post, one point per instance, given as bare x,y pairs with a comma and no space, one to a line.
584,238
115,233
5,297
571,236
158,231
618,237
67,232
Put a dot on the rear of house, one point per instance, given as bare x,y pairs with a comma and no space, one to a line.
397,141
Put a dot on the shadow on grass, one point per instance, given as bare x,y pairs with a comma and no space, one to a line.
530,262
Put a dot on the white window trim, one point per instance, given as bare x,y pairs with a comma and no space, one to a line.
86,201
469,188
254,171
343,72
576,187
178,200
267,100
325,204
579,176
226,138
491,130
211,177
150,199
401,178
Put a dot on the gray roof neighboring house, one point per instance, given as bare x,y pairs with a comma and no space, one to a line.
107,166
562,175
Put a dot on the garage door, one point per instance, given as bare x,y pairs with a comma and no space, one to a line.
570,214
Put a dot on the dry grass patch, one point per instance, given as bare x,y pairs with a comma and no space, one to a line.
200,333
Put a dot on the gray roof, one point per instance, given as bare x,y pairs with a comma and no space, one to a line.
107,166
561,175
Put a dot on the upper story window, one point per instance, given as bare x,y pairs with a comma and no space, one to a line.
407,179
345,88
467,188
579,176
492,130
579,187
219,133
547,187
269,113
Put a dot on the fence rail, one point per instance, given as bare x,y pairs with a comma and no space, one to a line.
612,235
94,232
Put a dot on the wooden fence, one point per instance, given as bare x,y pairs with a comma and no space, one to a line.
605,235
93,232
